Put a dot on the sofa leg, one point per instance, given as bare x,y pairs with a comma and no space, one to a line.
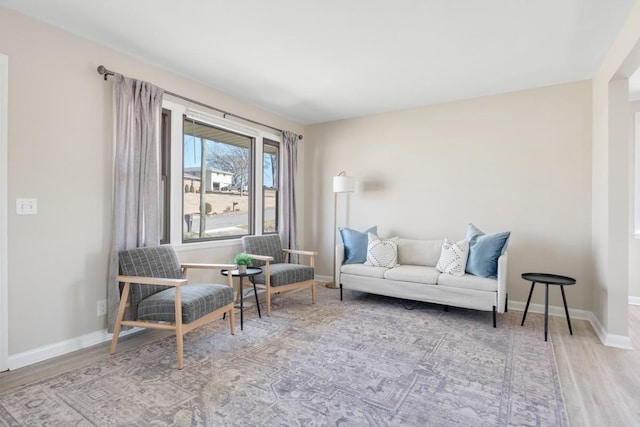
506,303
446,308
340,291
494,316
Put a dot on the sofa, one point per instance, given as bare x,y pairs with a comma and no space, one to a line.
415,277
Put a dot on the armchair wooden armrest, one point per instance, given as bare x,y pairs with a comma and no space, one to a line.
300,252
187,265
152,281
311,255
261,257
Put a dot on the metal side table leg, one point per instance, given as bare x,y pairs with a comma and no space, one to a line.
255,292
526,308
241,303
546,310
566,310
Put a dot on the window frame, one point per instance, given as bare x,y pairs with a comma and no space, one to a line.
277,187
178,111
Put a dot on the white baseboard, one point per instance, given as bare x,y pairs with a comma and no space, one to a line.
323,278
553,310
61,348
609,340
634,300
49,351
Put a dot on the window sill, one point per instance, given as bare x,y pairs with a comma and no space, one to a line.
196,246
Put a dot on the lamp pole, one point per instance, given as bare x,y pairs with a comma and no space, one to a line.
341,184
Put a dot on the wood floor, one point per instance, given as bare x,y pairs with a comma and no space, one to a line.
601,385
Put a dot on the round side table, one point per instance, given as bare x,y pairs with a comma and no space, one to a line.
548,279
249,273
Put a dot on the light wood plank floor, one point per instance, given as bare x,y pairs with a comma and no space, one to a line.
601,385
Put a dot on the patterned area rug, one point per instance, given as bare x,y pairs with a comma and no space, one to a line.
365,361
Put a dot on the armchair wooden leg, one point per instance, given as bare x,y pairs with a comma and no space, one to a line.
179,333
179,347
232,320
116,330
268,300
313,292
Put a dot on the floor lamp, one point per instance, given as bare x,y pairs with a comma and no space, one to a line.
341,184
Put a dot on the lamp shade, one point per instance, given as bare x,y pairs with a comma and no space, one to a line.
344,184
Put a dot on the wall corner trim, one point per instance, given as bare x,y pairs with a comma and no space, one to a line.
607,339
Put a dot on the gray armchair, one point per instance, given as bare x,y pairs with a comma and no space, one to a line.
278,275
159,297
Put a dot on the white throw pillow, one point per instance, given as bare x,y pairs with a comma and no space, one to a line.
453,257
381,252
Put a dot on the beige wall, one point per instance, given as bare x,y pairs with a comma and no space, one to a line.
611,176
634,193
519,162
60,129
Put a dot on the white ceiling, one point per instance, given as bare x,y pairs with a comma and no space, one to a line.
318,61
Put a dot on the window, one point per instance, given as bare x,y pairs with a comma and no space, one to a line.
217,182
223,177
270,186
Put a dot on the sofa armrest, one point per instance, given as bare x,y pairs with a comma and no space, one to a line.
339,257
502,283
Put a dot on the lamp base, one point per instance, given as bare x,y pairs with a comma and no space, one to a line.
330,285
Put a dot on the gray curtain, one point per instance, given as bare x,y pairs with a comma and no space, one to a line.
136,191
288,229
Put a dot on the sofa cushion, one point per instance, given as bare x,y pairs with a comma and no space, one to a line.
363,270
484,251
468,281
355,244
419,252
381,252
453,257
413,273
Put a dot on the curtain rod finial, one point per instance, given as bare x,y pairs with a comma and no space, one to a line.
104,72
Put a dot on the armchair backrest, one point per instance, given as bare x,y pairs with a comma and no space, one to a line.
156,261
269,245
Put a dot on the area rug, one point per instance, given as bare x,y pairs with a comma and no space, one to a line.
364,361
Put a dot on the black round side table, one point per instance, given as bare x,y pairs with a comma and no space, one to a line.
249,273
548,279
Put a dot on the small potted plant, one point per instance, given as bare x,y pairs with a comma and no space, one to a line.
242,260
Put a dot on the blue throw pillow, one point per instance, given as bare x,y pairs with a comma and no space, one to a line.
484,251
355,244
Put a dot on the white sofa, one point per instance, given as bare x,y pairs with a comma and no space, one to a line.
416,278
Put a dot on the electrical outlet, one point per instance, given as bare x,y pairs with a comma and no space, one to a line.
102,307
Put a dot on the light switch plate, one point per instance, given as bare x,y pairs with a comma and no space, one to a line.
26,206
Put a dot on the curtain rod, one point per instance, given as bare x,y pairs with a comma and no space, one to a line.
106,73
